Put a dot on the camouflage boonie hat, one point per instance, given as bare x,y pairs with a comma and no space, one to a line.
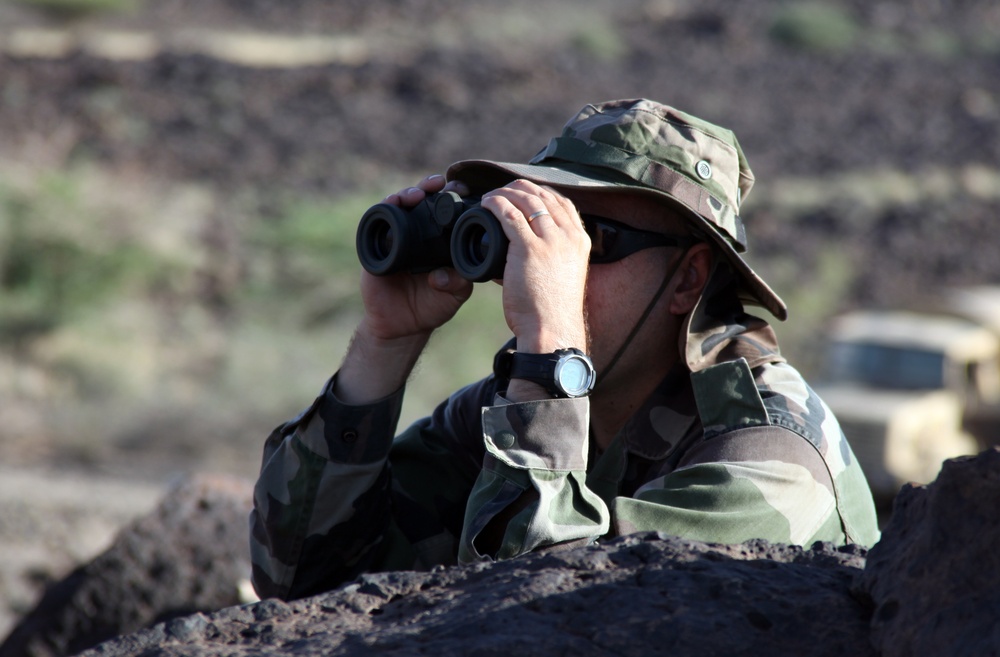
641,146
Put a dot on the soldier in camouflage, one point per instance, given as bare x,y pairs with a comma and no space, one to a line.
697,426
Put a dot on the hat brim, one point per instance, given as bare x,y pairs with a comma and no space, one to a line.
482,176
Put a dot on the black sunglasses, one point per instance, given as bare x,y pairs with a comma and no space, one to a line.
610,241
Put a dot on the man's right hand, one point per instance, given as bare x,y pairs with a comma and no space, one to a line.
401,312
405,305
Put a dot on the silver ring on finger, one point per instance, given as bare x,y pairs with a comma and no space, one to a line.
536,215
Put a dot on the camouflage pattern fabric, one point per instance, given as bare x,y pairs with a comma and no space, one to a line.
732,446
642,148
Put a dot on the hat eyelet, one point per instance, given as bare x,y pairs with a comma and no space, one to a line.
703,169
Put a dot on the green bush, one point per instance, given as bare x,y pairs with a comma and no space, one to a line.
304,249
114,293
70,9
600,40
814,26
53,262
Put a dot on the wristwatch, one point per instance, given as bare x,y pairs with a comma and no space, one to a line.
564,373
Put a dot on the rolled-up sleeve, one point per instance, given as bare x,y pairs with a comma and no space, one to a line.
535,462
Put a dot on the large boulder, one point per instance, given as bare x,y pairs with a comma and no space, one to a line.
188,555
639,595
934,578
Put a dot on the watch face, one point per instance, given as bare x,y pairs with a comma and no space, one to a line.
574,376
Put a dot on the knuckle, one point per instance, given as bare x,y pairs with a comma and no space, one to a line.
548,192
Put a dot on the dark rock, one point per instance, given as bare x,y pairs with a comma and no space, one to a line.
188,555
639,595
928,588
934,578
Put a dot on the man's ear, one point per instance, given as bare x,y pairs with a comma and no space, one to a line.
692,277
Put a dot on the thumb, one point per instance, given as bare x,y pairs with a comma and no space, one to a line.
447,280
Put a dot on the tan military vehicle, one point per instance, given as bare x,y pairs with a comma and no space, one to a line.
900,384
979,304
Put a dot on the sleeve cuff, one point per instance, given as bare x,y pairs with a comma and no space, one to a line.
549,434
345,433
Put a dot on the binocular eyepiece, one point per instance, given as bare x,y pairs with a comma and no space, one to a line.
443,230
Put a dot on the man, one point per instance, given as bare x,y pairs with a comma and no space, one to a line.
625,238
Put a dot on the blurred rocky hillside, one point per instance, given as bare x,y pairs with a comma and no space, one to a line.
875,126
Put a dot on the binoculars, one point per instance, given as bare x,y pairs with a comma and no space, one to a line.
443,230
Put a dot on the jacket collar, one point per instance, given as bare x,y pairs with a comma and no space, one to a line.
717,330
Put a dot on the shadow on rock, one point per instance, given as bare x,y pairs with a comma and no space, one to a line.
934,578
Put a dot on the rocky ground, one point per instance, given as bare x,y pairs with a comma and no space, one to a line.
879,155
652,594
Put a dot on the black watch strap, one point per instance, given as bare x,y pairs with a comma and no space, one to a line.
502,360
563,373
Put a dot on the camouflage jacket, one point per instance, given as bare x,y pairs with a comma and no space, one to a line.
732,447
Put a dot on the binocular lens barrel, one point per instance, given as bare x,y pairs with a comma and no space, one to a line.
479,246
391,239
382,240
